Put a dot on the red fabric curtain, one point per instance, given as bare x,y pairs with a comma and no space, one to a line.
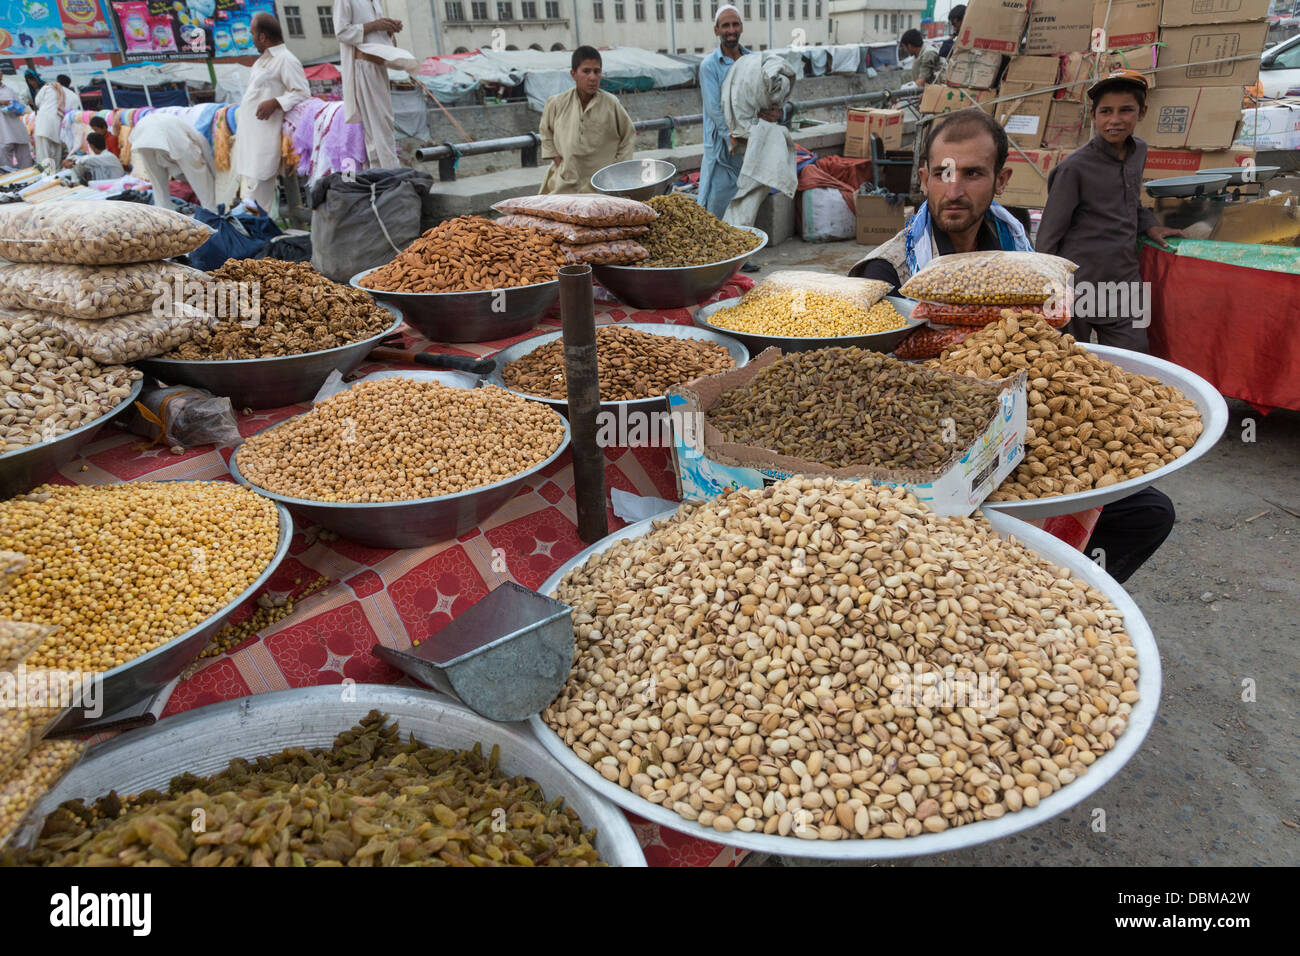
1235,327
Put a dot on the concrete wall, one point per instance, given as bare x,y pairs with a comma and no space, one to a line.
513,119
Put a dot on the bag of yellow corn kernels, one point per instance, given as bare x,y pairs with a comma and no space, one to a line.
993,278
860,293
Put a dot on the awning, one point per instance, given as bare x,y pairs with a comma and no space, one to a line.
323,72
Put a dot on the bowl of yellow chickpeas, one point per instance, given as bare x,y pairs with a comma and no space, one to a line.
802,322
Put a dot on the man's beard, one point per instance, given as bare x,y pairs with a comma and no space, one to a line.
969,217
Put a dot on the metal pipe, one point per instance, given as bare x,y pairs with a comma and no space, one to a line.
578,322
524,140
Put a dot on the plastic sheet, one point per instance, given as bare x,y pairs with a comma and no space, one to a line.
572,234
859,293
184,417
620,252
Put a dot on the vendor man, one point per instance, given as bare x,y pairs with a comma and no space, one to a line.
965,158
276,85
362,24
583,129
721,164
97,162
926,65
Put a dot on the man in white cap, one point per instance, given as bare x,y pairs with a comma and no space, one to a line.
721,165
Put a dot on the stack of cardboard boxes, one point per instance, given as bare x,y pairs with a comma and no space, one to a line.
1193,112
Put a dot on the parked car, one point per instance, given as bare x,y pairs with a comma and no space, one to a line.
1279,68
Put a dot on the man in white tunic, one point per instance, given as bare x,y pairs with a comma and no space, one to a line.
359,24
168,147
15,144
276,85
52,101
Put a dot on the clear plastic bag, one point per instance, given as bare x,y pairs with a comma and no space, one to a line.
978,316
572,234
93,292
18,639
34,776
21,729
992,278
95,233
184,417
620,252
860,293
128,338
11,564
585,210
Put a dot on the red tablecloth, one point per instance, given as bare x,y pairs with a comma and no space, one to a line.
397,598
1235,327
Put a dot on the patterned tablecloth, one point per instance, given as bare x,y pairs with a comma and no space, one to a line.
396,598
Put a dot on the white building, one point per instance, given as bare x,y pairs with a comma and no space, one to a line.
684,26
873,21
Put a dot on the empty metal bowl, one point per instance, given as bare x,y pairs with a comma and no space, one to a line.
1237,174
673,287
470,316
1185,186
638,179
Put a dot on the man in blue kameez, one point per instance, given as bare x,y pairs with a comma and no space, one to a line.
721,164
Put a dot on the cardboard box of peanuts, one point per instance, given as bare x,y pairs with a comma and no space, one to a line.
1027,187
706,466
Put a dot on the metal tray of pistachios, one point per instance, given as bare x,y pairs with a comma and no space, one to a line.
1103,769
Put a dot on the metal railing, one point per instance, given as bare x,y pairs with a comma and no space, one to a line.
529,144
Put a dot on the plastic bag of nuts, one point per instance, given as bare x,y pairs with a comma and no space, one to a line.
620,252
11,563
585,210
126,338
992,278
96,233
22,728
18,639
978,316
91,292
860,293
34,777
572,234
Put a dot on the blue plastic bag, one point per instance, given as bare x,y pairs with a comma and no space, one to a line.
237,237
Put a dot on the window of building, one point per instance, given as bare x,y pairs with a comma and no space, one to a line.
893,23
528,10
805,9
557,47
877,22
747,9
505,9
659,12
620,11
790,10
681,50
461,49
552,9
909,21
640,10
699,49
478,9
776,9
697,9
762,46
762,9
679,11
662,50
819,9
326,17
597,10
293,21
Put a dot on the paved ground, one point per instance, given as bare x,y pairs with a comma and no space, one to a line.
1215,783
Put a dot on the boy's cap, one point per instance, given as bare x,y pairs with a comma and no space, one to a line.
1118,78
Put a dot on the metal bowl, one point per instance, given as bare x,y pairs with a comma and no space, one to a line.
739,355
1237,174
412,523
470,316
1101,772
1214,418
204,741
140,679
877,342
672,287
269,382
1185,186
24,468
638,179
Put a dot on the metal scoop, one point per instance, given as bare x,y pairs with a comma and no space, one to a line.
505,658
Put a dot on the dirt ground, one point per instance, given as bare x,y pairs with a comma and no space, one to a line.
1215,782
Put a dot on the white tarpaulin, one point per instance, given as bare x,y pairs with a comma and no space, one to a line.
544,73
